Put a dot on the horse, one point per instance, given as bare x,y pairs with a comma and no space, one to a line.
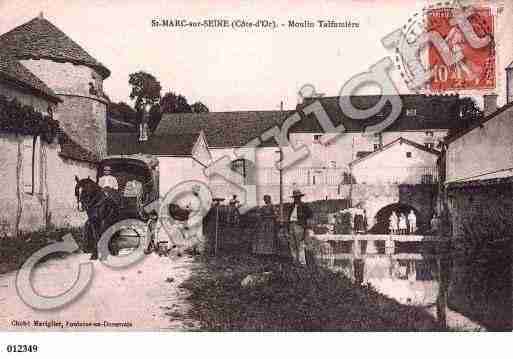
102,211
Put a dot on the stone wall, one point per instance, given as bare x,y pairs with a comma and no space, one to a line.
82,115
53,201
481,279
60,179
84,121
372,198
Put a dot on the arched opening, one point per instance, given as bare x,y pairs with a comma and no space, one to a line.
384,216
246,169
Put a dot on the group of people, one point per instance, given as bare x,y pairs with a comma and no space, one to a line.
403,224
268,240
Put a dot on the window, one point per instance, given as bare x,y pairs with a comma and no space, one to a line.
30,167
408,154
411,112
246,169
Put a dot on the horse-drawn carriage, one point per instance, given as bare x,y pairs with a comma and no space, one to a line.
137,177
132,194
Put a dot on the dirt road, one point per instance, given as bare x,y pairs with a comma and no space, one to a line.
146,296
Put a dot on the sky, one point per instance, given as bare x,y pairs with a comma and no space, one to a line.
251,69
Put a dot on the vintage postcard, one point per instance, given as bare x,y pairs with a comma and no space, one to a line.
255,166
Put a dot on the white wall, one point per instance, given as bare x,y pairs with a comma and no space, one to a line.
174,170
482,151
309,174
393,166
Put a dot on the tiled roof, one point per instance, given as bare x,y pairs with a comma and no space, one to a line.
222,129
13,71
114,125
430,112
172,145
400,140
40,39
72,150
235,129
479,182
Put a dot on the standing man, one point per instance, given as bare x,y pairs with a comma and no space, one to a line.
298,218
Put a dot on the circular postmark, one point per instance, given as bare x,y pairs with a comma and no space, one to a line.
447,47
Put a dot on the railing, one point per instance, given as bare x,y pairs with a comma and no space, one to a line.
301,176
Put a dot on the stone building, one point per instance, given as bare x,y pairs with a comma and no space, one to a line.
479,173
324,173
47,72
479,205
75,76
401,176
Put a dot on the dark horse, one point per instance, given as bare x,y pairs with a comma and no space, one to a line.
102,211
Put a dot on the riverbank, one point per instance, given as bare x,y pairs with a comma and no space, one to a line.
292,298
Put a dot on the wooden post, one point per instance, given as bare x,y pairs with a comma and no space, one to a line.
217,230
442,250
281,171
390,246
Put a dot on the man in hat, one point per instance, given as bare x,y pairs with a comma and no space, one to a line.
299,215
108,180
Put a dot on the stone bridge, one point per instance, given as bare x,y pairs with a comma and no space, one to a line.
379,200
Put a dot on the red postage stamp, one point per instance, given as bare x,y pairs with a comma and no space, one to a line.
476,70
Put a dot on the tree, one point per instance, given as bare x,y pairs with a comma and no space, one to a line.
172,103
469,113
199,107
145,89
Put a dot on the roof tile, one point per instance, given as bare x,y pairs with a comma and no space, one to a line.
39,38
235,129
170,145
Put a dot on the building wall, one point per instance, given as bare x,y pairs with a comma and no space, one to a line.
60,179
321,173
83,116
346,146
394,166
480,285
53,201
174,170
482,152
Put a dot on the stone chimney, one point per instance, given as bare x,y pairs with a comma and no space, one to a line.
490,103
